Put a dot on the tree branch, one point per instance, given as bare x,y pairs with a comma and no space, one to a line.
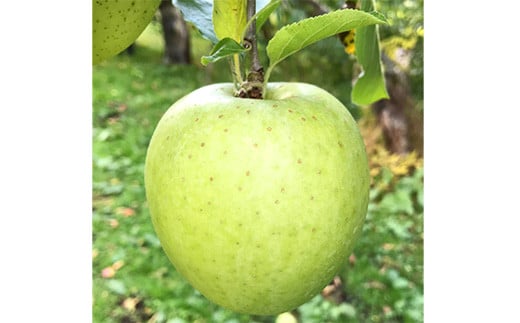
253,87
251,37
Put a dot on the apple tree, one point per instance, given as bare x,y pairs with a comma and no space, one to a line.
258,190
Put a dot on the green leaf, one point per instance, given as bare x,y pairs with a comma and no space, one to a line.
224,48
397,202
396,279
399,228
116,286
199,13
343,309
370,86
262,15
303,33
229,18
420,198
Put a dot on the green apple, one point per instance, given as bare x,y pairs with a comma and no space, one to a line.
116,24
257,203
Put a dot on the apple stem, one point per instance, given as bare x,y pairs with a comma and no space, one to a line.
254,85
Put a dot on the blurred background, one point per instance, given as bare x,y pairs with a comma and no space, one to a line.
382,280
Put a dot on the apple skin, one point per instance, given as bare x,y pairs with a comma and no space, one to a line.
116,24
257,203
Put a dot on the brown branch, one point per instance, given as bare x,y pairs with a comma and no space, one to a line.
253,87
251,37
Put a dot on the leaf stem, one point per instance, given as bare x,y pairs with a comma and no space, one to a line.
236,70
266,79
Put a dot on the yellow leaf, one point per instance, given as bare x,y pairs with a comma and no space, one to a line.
118,264
374,172
399,169
130,303
229,19
125,211
114,223
108,272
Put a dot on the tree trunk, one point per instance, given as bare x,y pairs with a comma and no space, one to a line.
391,113
176,35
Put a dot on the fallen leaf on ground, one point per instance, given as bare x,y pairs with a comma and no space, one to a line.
352,259
125,211
108,272
114,223
118,264
130,303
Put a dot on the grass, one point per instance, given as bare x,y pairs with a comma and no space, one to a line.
133,281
